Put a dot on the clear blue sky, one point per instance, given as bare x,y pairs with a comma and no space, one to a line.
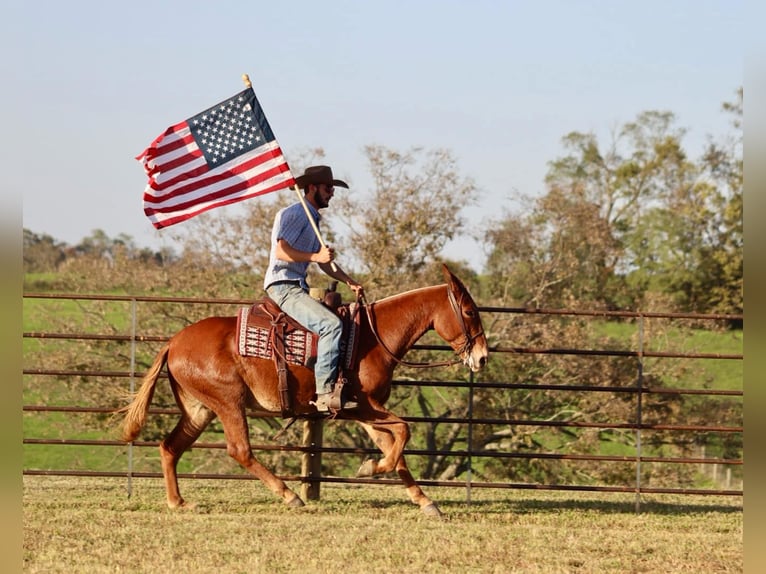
89,84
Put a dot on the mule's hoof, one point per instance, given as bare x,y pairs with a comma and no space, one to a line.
295,502
367,468
432,510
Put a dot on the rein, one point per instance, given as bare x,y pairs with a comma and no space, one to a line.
465,348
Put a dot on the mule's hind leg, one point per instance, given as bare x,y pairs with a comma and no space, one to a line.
194,418
238,447
385,440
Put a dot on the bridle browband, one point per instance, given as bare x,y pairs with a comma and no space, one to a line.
464,349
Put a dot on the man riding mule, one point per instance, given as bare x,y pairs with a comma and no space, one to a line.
210,378
294,245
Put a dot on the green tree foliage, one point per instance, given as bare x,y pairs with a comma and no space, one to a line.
625,222
723,164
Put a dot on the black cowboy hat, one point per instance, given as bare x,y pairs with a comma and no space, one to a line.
317,174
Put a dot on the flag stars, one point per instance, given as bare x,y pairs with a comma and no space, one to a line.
227,130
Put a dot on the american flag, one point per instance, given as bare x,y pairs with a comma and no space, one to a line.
225,154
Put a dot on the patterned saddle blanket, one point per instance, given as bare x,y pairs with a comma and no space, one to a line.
266,332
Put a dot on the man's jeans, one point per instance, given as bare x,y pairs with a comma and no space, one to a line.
316,318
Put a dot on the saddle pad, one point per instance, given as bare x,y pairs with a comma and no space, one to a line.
254,332
255,341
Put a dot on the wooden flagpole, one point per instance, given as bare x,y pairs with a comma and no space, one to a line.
248,84
312,428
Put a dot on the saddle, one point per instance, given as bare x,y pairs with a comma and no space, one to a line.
267,332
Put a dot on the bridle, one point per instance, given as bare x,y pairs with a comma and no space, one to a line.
464,350
469,339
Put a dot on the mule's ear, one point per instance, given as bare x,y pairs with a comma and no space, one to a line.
447,273
454,283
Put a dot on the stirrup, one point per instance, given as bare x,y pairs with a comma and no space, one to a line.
338,391
333,401
326,402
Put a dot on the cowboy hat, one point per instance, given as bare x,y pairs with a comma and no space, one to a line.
317,174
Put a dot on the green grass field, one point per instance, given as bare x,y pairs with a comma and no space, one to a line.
90,525
721,374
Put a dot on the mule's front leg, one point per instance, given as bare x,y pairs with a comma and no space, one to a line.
390,437
416,495
386,439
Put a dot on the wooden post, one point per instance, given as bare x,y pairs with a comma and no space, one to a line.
311,464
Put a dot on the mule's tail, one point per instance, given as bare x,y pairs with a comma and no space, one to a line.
135,412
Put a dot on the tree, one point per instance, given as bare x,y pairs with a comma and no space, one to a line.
560,253
693,240
633,219
399,229
619,226
41,252
631,183
723,164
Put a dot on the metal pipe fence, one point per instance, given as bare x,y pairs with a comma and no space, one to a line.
311,448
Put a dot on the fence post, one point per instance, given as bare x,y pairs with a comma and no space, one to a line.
311,463
470,438
639,413
132,386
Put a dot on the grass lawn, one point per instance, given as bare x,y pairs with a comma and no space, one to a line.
90,525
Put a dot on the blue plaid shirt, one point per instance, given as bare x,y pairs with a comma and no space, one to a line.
292,225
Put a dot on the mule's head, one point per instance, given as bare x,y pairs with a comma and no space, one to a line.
460,324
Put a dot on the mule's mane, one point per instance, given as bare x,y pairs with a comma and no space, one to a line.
403,318
408,294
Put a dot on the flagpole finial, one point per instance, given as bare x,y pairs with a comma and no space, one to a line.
246,79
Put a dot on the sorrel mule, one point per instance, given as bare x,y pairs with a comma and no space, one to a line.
209,378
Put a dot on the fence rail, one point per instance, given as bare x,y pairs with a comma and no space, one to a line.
316,449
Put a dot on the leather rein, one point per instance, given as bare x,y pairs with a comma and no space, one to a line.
464,349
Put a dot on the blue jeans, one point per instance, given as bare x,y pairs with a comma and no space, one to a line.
316,318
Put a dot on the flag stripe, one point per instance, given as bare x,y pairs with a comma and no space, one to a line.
173,153
166,180
182,185
258,185
199,173
176,157
176,140
160,219
225,154
164,141
247,171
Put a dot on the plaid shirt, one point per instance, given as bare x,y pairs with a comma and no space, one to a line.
292,225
